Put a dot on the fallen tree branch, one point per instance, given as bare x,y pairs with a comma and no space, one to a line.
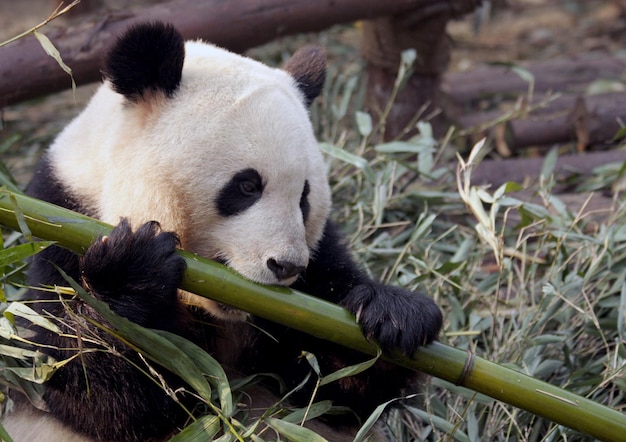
553,75
26,72
518,170
331,322
586,119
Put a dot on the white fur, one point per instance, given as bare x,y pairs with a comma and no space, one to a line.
27,424
166,159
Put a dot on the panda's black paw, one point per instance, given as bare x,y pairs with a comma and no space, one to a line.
138,268
397,319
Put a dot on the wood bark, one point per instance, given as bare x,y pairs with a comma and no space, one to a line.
585,119
498,172
26,72
382,42
555,75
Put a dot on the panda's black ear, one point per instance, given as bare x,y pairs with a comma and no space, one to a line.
147,57
308,67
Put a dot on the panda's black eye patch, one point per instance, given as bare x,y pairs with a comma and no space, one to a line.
240,193
304,201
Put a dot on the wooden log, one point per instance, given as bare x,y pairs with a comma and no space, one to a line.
26,72
586,119
555,75
498,172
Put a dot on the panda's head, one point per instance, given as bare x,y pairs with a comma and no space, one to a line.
213,145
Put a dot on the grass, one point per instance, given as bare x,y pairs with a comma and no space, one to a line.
524,281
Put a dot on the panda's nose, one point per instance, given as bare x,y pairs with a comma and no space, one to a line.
284,269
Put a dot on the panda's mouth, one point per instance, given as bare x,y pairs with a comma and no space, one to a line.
268,278
224,311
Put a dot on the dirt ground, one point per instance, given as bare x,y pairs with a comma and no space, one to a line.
525,30
510,30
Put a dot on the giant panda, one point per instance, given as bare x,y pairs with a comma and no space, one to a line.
189,145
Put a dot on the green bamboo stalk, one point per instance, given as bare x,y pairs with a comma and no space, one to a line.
331,322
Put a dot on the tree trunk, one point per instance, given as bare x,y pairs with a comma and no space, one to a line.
382,43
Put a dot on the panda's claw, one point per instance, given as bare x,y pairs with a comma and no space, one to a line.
357,314
397,319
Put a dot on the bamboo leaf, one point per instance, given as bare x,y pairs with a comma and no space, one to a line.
347,157
312,360
24,311
549,163
368,425
37,375
340,111
621,314
349,371
400,147
203,429
314,411
4,436
424,223
18,353
363,123
524,74
207,365
53,52
472,425
19,216
22,251
441,424
294,432
621,133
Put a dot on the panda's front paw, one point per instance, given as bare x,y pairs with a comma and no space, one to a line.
127,265
395,318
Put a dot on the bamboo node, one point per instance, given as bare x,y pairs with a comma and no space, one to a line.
467,368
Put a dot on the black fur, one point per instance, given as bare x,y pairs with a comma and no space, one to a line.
304,201
396,318
108,399
137,275
148,57
308,67
240,193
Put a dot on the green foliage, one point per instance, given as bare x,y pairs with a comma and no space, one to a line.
527,283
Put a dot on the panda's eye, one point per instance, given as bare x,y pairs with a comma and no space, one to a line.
248,188
240,193
304,201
